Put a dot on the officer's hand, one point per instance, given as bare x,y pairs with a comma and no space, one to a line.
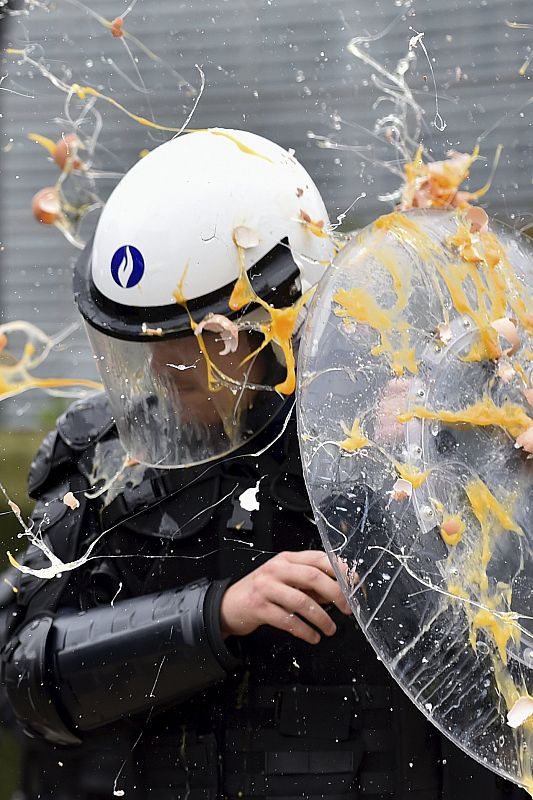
283,593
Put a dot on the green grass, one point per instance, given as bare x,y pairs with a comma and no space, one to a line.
17,450
10,759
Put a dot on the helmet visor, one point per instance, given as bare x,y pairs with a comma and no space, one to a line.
180,401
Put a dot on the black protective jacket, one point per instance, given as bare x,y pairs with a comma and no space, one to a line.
118,670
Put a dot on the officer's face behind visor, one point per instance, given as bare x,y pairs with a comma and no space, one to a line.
167,413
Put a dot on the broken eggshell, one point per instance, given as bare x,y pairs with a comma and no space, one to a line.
402,489
478,219
45,206
520,712
525,440
443,333
505,372
65,153
71,501
508,329
245,237
228,330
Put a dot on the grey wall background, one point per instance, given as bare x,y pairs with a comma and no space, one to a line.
277,67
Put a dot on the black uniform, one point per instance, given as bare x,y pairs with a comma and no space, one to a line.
119,672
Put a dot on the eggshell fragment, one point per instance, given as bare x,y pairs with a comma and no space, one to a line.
218,323
65,152
478,218
402,489
525,440
443,333
520,712
147,331
507,328
71,501
453,169
505,372
245,237
45,205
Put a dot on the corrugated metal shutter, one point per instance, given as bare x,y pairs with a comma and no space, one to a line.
278,67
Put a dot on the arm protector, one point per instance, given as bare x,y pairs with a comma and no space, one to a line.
77,671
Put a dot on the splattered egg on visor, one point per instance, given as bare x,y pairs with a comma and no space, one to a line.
416,425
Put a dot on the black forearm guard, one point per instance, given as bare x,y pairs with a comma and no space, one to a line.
76,672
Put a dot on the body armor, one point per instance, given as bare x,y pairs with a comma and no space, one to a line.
120,675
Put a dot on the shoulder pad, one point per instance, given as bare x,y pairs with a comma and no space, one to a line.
61,529
42,463
86,421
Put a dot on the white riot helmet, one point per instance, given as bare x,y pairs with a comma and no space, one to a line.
193,288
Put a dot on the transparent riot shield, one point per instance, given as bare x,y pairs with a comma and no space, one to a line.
416,427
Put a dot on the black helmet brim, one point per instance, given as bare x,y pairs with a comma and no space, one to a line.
274,278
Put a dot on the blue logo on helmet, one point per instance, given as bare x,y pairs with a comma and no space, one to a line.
127,266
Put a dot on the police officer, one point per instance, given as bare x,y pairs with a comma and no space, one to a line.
203,649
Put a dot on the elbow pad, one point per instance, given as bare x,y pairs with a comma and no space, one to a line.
77,672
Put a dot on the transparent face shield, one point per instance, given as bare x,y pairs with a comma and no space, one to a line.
180,401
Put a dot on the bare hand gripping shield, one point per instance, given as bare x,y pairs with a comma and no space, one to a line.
416,427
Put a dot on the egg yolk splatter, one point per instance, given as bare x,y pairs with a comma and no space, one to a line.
412,474
509,416
452,529
279,328
355,438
